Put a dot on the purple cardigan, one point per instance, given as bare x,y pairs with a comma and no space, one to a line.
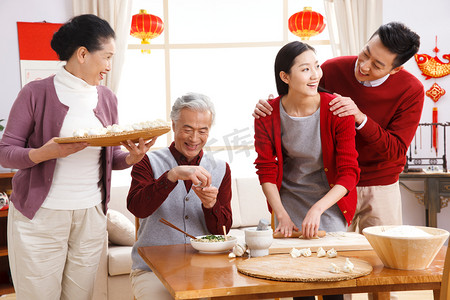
36,117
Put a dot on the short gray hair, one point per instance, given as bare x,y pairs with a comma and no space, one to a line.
193,101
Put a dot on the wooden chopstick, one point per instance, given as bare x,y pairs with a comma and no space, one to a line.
165,222
225,232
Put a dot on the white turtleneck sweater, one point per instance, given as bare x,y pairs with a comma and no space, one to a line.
77,178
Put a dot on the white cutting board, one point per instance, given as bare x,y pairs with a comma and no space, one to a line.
340,241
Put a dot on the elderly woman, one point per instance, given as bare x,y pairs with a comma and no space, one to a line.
56,222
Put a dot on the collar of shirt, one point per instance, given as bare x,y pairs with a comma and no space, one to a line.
182,160
71,82
375,82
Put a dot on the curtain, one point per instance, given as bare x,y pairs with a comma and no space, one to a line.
351,23
118,14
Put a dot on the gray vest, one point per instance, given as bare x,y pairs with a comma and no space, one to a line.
181,208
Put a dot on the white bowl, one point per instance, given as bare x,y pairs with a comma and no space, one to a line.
214,247
406,253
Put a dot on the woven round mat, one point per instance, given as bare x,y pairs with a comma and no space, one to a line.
114,139
304,269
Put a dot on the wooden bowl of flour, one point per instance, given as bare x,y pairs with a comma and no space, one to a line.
406,247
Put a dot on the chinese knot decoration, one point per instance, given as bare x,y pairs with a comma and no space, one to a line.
145,26
306,23
433,67
435,92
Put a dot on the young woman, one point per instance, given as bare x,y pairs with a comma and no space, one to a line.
306,156
56,220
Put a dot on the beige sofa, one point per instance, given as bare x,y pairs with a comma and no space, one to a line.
248,206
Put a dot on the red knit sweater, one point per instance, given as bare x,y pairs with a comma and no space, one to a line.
338,148
393,112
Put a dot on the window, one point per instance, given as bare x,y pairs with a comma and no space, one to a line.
222,48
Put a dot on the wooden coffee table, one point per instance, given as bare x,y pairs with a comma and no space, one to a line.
188,274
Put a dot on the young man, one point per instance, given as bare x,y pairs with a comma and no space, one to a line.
182,185
386,102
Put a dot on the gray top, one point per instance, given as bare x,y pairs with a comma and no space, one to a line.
304,180
181,208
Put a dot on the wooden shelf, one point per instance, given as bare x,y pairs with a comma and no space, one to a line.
6,182
7,174
5,285
3,251
6,289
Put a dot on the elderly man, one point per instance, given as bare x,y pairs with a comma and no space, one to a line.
181,184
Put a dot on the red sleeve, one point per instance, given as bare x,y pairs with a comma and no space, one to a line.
147,193
392,143
347,170
266,162
220,214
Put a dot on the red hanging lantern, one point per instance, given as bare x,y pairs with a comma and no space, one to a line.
145,26
306,23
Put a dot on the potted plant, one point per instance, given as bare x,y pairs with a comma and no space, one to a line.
1,126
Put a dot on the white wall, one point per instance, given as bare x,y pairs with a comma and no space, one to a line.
429,19
11,12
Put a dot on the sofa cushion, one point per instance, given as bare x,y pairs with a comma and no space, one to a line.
121,231
252,202
118,200
119,260
238,233
119,288
235,210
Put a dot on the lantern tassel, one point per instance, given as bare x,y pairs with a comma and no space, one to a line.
145,42
435,133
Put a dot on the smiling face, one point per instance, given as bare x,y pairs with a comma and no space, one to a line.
191,131
304,75
375,61
95,65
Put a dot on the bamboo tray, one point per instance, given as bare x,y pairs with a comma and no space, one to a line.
114,139
283,267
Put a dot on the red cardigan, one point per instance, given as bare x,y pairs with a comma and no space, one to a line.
338,148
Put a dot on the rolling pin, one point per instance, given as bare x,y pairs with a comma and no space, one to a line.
298,234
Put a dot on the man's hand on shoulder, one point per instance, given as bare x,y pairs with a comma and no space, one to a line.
345,106
262,108
198,175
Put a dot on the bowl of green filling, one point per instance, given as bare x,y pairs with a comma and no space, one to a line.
213,243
